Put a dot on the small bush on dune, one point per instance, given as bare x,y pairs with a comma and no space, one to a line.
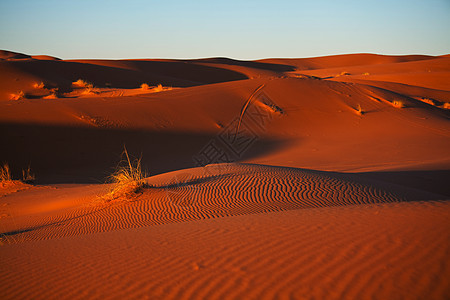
27,175
81,83
39,85
53,94
89,90
446,105
154,89
359,110
398,104
18,96
129,178
145,87
88,87
158,88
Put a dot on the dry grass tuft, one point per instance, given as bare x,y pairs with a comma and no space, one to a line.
88,87
158,88
39,85
446,105
90,91
80,83
5,173
6,177
28,176
53,94
129,179
359,110
18,96
154,89
398,104
145,87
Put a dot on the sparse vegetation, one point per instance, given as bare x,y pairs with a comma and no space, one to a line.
446,105
18,96
430,101
359,110
90,91
6,177
27,175
81,83
398,104
53,94
158,88
88,87
366,74
154,89
5,173
344,73
39,85
129,178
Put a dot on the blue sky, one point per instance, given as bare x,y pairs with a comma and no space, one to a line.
237,29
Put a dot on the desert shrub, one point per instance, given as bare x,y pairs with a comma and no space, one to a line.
5,173
154,89
81,83
398,104
158,88
27,175
18,96
359,110
53,94
39,85
128,179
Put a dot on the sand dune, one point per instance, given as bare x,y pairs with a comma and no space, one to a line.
314,178
346,60
202,193
292,137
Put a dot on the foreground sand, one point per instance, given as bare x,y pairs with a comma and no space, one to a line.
383,251
335,186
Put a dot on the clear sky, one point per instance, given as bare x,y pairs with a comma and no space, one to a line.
238,29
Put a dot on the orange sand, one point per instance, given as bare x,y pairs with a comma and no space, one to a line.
336,186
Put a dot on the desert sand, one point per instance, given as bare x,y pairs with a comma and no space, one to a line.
312,178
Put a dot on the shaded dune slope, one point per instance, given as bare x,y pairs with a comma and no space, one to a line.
313,120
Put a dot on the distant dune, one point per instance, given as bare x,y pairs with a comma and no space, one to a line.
312,178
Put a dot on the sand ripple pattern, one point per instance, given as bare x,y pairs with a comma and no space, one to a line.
381,251
219,191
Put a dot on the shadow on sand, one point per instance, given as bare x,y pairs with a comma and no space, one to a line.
64,154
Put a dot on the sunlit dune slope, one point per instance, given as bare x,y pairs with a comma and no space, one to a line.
384,251
202,193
